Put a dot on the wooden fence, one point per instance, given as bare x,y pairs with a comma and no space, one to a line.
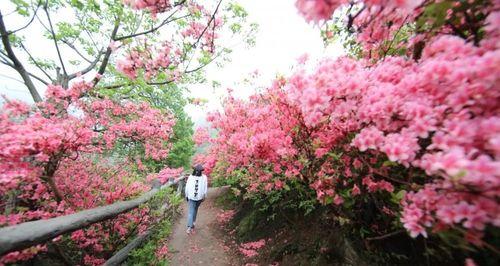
24,235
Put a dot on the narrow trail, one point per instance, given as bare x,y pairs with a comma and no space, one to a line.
205,246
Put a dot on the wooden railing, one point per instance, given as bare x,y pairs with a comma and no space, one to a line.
28,234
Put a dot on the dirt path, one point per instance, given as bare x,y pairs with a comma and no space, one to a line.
204,247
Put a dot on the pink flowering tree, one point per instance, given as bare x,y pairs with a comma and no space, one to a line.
56,162
402,140
106,119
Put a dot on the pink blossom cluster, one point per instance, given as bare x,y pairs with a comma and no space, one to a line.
318,10
25,254
201,136
150,60
379,23
403,102
249,249
153,6
162,252
198,33
373,186
223,217
253,138
167,174
146,60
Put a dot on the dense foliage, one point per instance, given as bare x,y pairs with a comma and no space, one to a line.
408,132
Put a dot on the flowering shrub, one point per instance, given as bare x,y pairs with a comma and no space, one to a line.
50,162
417,139
400,27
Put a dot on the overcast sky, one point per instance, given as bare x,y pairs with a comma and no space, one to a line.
283,36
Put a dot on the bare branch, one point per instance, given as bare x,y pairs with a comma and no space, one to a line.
38,78
164,22
36,63
18,66
382,237
5,59
45,8
70,45
107,55
152,83
160,82
115,86
88,68
28,23
90,37
203,65
351,17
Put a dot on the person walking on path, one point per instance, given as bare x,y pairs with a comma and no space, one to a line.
195,191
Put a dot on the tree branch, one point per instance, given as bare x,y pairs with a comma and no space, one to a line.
18,66
203,65
9,77
153,83
36,63
382,237
5,59
88,68
351,18
45,8
161,82
164,22
208,24
38,78
29,22
70,45
202,33
107,55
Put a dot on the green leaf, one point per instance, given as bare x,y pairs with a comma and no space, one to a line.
235,27
22,7
397,197
434,13
78,4
389,163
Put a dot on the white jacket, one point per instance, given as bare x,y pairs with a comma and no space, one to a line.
196,187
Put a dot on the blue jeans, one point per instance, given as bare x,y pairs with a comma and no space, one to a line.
193,206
